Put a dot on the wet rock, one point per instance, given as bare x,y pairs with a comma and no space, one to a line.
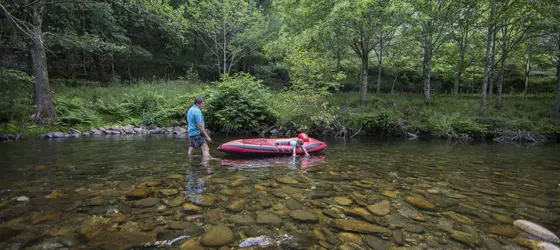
433,191
332,213
504,230
217,236
322,194
241,219
458,218
152,183
343,200
266,204
486,191
299,240
93,227
455,195
502,218
140,193
22,198
191,244
329,236
46,216
213,215
360,199
69,240
122,240
207,200
143,203
228,192
7,233
175,202
287,180
237,205
237,182
168,192
318,203
421,203
357,226
268,218
260,187
177,225
390,194
191,208
255,231
48,244
398,237
350,246
465,238
293,204
381,208
413,228
176,176
124,208
346,237
536,201
375,242
97,201
492,244
304,216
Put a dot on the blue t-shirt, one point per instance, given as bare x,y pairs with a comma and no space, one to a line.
194,116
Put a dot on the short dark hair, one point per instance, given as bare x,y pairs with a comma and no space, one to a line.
198,100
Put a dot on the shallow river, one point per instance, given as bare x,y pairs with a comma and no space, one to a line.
145,192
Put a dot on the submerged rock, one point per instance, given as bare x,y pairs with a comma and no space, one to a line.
122,240
241,219
458,218
237,205
375,242
381,208
287,180
217,236
293,204
536,230
465,238
143,203
350,237
191,208
343,200
503,230
46,216
140,193
358,226
304,216
268,218
421,203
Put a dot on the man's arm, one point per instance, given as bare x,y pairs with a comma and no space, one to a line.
203,131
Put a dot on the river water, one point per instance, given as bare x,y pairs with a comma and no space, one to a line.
141,192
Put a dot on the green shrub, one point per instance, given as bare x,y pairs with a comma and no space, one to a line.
16,89
75,111
383,122
237,103
301,111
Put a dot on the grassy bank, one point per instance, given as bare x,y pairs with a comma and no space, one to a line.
164,104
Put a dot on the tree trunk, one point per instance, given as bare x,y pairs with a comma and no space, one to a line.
488,61
43,100
557,106
100,71
492,66
527,72
380,65
364,78
459,72
393,85
427,71
364,68
504,58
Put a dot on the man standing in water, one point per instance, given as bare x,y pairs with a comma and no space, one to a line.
195,123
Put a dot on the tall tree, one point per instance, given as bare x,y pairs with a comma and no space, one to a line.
433,17
230,29
462,34
487,65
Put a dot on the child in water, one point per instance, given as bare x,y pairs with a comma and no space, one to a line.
295,143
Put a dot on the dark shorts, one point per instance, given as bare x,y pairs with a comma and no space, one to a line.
197,141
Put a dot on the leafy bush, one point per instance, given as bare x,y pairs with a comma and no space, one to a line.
453,125
75,111
301,110
238,102
16,89
383,122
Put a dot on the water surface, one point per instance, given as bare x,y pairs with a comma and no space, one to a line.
127,191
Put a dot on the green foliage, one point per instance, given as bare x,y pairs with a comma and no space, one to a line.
74,111
237,103
16,90
452,125
301,111
383,122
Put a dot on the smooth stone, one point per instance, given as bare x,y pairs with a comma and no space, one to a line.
375,242
22,198
322,194
175,176
536,201
455,195
143,203
390,194
299,240
268,218
237,182
228,192
93,227
168,192
492,244
191,208
175,202
219,181
241,219
332,214
304,216
255,231
343,200
503,230
260,187
350,246
434,191
122,240
207,200
420,203
237,205
465,238
503,218
266,204
381,208
177,225
287,180
97,201
69,240
293,204
140,193
329,236
124,208
350,237
213,215
358,226
413,228
152,183
398,237
486,191
458,218
191,244
217,236
46,216
7,233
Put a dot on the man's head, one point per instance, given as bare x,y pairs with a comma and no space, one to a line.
198,101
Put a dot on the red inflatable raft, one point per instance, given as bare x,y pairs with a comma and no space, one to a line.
266,147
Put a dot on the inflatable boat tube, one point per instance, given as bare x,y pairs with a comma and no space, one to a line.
266,146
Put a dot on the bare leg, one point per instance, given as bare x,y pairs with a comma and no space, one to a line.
190,150
205,150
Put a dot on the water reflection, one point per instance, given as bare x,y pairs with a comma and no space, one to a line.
198,172
302,162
